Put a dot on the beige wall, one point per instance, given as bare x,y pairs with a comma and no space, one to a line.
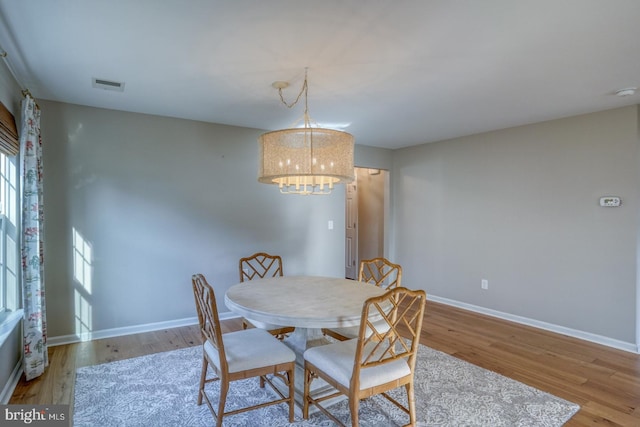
519,207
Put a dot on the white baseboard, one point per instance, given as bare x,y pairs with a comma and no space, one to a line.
11,384
598,339
128,330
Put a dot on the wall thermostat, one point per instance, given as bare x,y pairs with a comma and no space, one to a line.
610,201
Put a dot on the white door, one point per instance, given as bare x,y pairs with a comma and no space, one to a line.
351,222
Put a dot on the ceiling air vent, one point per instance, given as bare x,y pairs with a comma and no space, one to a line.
107,85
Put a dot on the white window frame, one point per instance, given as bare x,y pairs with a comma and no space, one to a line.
10,270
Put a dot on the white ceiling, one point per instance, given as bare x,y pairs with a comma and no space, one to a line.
393,73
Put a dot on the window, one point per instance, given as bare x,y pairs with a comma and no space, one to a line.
9,257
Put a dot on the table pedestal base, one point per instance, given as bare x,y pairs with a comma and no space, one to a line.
300,340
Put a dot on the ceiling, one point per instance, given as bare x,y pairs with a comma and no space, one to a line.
393,73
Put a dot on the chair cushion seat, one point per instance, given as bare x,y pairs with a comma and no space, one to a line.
352,332
336,360
250,349
264,325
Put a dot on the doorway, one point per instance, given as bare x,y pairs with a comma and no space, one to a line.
365,207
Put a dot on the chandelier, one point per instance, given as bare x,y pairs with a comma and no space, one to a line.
308,159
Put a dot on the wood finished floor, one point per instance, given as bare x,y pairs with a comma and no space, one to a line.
605,382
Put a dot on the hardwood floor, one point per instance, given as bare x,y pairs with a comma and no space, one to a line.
605,382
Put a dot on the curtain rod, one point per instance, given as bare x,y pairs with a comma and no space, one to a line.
25,91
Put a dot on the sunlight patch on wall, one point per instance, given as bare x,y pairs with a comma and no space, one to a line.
81,261
83,317
82,273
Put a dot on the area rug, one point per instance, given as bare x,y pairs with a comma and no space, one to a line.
161,390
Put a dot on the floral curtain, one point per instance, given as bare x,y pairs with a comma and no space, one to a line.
35,320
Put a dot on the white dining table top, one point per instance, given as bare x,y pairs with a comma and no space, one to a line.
301,301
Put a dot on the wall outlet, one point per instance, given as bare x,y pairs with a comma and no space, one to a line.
484,284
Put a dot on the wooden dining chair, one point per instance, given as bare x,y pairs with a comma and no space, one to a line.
238,355
379,272
375,362
259,266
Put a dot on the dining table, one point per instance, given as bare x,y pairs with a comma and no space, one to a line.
308,303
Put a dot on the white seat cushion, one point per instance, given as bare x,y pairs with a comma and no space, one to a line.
336,360
264,325
350,332
249,349
353,331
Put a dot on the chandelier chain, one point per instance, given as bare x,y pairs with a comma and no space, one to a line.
304,89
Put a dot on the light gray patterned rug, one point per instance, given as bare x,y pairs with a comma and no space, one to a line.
161,389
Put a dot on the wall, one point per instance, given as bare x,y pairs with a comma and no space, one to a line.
519,207
152,200
372,157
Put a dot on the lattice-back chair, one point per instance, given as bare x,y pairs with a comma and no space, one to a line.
238,355
379,272
381,359
259,266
